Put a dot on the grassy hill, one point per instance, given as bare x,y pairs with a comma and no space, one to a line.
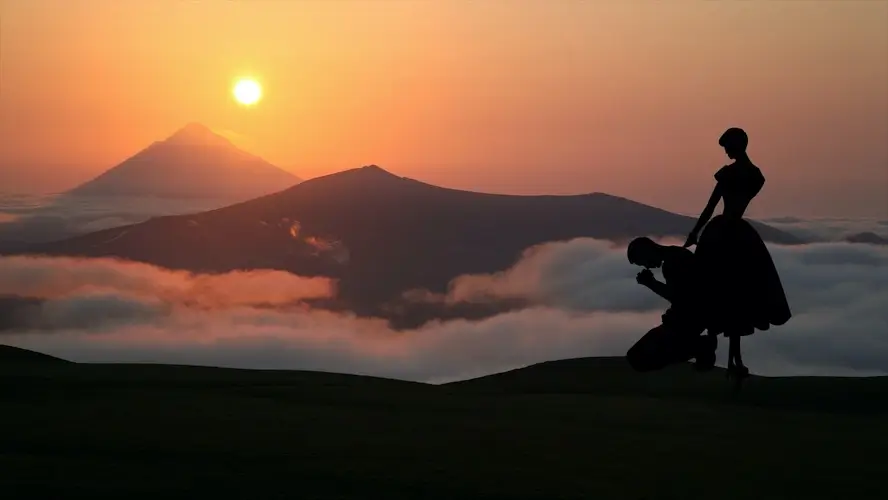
613,377
585,428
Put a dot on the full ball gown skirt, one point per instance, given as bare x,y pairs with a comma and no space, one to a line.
744,289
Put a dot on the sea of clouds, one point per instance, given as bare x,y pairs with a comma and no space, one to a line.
585,302
829,228
39,218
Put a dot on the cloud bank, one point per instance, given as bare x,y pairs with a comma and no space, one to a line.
585,303
31,219
826,229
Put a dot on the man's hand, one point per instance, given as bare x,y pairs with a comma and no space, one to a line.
692,240
645,277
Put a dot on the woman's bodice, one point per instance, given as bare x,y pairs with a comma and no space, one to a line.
739,183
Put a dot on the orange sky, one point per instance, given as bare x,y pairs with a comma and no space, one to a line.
517,96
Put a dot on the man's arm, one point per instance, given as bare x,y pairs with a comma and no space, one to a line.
660,288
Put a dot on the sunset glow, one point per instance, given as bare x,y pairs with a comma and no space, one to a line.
522,98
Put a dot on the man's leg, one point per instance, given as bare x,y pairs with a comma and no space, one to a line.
658,349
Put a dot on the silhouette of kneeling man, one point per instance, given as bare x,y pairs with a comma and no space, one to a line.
680,338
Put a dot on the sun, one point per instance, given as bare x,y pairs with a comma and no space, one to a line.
247,91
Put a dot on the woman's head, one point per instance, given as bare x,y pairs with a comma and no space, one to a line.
734,140
644,252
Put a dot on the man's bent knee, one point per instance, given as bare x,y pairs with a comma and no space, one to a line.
641,361
654,351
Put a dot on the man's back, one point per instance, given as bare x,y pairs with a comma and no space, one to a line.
679,338
684,278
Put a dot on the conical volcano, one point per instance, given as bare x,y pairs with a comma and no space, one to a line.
194,162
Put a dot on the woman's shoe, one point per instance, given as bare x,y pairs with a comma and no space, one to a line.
737,373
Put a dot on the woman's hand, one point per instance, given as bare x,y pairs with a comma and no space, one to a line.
645,277
692,240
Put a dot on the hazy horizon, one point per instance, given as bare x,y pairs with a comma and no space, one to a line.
511,97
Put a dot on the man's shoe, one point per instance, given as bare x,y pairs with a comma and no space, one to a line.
705,358
705,362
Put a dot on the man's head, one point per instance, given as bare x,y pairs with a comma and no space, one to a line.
644,252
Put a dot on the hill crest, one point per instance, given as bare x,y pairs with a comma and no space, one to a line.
17,355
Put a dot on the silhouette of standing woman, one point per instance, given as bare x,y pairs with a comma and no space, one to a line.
745,289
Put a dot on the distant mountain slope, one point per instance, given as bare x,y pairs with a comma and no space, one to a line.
379,233
868,238
192,163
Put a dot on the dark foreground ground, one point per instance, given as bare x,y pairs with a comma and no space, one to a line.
587,428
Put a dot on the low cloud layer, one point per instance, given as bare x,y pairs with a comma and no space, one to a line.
32,219
60,279
828,228
586,304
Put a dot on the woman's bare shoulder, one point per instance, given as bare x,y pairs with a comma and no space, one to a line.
739,171
723,173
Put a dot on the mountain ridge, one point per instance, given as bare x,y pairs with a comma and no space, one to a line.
378,235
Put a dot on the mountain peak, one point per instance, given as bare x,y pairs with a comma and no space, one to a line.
197,134
193,162
365,173
376,170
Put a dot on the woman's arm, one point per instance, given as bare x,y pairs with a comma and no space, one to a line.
706,215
